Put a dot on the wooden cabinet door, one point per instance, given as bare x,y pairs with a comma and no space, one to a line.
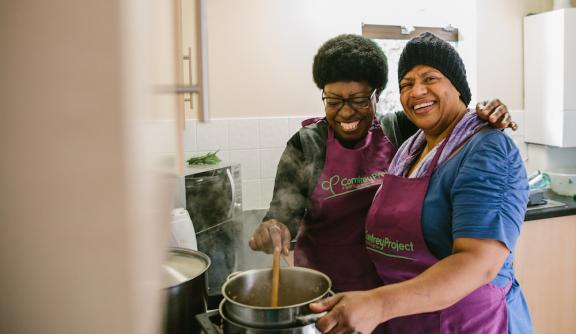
545,264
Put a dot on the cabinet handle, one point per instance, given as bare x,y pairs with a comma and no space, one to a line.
177,89
188,58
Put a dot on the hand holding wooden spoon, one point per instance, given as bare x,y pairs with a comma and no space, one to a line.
276,236
275,277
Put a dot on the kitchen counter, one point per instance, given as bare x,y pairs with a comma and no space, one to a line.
541,212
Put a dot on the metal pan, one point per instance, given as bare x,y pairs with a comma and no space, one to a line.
231,327
247,297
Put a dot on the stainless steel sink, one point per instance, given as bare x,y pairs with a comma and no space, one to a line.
549,204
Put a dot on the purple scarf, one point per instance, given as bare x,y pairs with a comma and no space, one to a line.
409,151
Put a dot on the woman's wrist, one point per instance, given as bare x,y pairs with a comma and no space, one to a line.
389,302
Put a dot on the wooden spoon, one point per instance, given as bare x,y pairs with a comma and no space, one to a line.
275,277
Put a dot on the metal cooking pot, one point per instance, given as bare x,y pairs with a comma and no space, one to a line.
184,272
247,297
232,327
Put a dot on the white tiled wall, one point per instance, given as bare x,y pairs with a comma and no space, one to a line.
258,143
213,135
255,143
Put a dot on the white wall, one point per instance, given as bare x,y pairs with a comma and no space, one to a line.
500,72
549,158
260,59
500,50
260,52
255,143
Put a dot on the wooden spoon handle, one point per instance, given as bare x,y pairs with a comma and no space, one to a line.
275,277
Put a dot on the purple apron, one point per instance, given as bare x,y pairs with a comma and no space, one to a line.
396,245
331,238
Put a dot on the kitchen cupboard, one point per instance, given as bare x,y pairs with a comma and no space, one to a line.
85,173
550,77
545,264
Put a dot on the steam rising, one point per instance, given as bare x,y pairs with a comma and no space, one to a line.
295,180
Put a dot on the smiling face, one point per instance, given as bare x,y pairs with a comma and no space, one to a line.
350,124
430,100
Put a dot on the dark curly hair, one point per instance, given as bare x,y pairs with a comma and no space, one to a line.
350,58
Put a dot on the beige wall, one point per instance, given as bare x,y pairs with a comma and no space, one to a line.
500,48
260,52
82,209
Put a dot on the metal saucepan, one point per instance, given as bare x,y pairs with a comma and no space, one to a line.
184,272
232,327
247,296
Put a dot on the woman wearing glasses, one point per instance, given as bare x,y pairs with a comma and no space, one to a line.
331,168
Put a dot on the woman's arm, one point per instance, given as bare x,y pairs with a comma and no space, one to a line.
474,263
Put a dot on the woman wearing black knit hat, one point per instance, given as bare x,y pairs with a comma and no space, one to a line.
332,166
444,245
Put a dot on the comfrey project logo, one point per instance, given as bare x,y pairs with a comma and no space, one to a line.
388,247
338,185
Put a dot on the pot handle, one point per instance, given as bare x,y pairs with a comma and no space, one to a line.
308,319
305,320
233,274
205,323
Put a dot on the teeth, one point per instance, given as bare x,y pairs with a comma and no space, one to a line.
349,126
423,105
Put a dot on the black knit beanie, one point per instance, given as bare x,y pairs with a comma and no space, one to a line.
428,49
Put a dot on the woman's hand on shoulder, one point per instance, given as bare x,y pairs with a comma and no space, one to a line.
269,235
496,113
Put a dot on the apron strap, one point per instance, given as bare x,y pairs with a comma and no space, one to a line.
434,162
330,134
312,120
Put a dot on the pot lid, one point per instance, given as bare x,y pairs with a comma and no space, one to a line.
183,265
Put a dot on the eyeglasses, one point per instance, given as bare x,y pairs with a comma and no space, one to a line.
334,104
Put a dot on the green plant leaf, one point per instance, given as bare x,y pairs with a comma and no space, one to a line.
209,158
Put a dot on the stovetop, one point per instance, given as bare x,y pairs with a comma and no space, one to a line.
210,322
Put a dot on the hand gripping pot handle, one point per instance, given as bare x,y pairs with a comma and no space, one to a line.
312,318
306,320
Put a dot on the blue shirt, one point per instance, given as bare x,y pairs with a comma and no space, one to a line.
481,192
